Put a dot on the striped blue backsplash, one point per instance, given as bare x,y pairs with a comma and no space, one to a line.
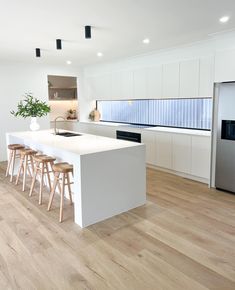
182,113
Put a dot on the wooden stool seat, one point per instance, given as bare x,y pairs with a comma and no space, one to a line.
26,159
43,158
13,155
28,151
42,166
15,146
64,169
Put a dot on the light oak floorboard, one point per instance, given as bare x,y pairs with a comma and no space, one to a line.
183,238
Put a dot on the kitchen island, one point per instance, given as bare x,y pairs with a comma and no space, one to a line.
109,174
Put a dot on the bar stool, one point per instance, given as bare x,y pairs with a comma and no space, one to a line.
13,155
26,159
63,169
42,166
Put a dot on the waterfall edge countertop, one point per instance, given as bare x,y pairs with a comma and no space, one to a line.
109,174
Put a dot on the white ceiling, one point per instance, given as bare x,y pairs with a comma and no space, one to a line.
119,26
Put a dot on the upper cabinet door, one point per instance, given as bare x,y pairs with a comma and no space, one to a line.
189,79
116,85
171,80
126,85
225,66
154,82
100,87
139,79
206,77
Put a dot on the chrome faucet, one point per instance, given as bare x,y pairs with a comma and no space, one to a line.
59,117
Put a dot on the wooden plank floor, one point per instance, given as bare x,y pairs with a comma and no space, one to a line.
183,238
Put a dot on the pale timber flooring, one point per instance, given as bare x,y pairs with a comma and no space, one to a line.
183,238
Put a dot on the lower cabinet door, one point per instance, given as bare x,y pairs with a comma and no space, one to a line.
181,149
164,150
148,138
201,148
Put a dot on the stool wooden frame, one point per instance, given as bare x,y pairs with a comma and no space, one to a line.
26,159
42,166
13,155
63,169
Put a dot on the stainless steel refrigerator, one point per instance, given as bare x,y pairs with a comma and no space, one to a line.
225,144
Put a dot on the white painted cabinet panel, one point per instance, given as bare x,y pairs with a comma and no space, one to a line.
127,84
201,156
116,85
225,66
181,150
149,139
189,79
171,80
154,82
139,81
206,77
164,150
100,87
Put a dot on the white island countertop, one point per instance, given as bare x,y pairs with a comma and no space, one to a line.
84,144
109,174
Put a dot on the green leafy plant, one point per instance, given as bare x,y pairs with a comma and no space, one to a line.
31,107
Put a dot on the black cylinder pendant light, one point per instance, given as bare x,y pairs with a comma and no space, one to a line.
58,44
87,31
38,52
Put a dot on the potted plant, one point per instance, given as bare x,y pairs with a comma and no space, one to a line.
31,107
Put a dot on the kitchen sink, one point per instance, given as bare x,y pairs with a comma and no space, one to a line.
68,134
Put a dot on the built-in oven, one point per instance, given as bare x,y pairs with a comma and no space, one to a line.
228,130
129,136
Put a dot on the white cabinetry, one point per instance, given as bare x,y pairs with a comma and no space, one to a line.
116,85
181,153
177,152
206,77
189,79
225,66
100,86
163,150
139,79
154,82
149,139
201,156
127,85
170,80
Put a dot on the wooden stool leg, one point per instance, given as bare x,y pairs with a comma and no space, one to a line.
69,188
20,169
34,179
48,176
41,184
31,170
62,198
13,165
56,178
25,171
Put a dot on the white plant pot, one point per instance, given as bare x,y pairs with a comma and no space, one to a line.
34,126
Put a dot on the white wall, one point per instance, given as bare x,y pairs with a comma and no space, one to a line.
15,80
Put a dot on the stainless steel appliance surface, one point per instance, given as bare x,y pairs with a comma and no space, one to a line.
225,145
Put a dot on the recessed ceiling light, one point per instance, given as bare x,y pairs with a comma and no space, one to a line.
146,40
68,61
99,54
224,19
